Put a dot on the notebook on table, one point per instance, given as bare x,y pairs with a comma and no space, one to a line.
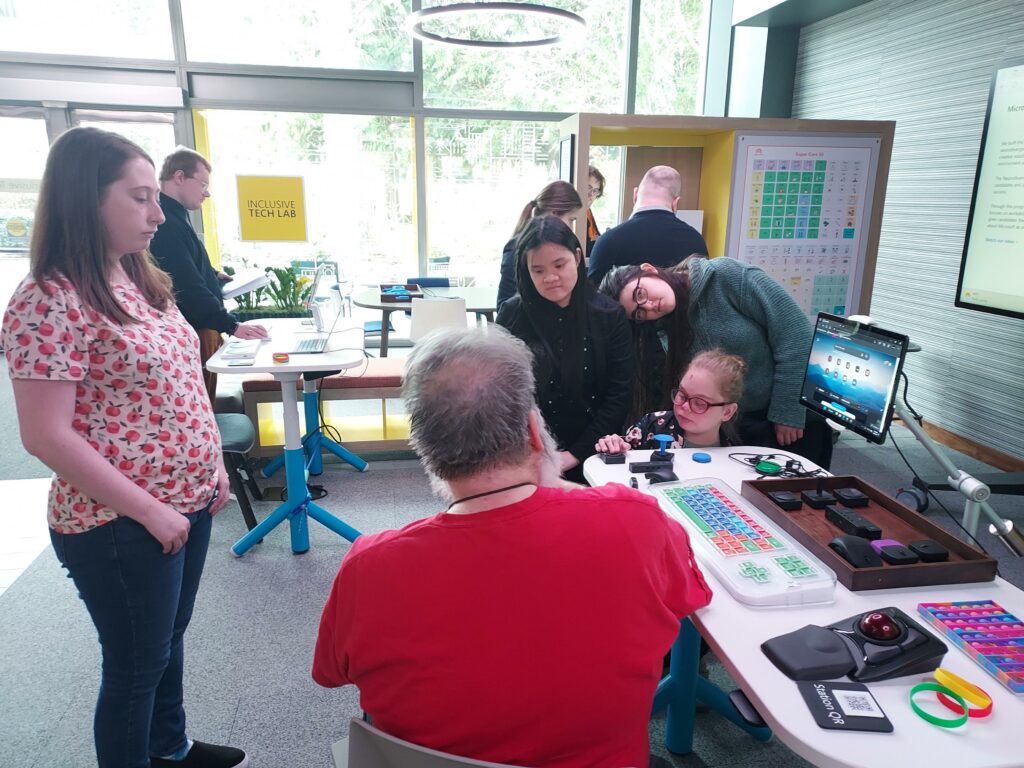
240,348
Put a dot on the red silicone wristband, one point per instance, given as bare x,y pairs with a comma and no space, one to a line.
948,703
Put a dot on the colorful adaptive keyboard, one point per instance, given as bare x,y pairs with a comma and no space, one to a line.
758,565
724,522
987,633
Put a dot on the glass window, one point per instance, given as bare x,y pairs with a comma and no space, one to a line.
589,77
355,34
23,150
358,183
137,29
671,57
480,176
153,131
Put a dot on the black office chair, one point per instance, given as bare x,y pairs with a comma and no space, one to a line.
237,436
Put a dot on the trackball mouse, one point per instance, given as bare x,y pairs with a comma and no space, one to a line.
856,551
880,627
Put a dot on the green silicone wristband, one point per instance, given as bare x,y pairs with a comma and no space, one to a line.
953,722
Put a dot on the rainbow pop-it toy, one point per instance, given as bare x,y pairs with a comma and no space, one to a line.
986,632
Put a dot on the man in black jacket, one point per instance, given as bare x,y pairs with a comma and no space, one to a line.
653,234
184,186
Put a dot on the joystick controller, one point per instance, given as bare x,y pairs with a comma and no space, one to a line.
880,627
819,498
662,453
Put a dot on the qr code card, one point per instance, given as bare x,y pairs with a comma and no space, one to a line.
844,706
857,703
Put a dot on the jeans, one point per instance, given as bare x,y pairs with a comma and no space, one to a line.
140,601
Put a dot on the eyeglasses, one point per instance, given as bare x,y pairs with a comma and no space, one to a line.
639,298
595,192
204,184
697,404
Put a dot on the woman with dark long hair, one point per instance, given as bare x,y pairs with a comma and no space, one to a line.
559,198
706,303
583,352
110,395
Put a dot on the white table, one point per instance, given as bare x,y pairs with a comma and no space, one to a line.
735,632
479,299
299,504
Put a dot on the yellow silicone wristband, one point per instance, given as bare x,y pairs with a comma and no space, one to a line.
966,690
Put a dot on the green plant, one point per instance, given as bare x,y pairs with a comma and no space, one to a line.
288,289
251,300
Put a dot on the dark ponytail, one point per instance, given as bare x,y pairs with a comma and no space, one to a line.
556,199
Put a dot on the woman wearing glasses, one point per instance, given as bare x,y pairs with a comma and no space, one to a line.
559,198
705,303
703,407
581,342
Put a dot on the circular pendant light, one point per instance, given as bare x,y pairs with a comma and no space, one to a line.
415,20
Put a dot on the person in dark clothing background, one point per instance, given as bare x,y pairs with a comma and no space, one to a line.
581,341
184,186
595,189
653,234
559,198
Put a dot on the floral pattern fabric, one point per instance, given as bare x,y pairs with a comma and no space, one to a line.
140,400
641,435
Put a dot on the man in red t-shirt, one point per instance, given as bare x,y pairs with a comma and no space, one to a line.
526,623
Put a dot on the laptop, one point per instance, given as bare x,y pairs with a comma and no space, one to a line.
325,317
317,278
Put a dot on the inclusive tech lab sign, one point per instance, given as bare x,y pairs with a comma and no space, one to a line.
272,208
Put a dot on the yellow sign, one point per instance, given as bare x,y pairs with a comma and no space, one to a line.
271,208
17,226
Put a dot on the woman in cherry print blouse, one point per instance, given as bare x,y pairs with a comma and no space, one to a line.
110,395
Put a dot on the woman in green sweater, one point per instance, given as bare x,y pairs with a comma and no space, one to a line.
706,303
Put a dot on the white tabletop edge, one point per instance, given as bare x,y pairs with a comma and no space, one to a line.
345,350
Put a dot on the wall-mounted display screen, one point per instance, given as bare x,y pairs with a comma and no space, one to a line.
992,268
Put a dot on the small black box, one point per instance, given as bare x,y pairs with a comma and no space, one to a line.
613,458
817,499
786,500
640,467
851,497
897,554
929,551
850,522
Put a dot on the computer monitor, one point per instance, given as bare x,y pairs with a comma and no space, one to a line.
852,374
